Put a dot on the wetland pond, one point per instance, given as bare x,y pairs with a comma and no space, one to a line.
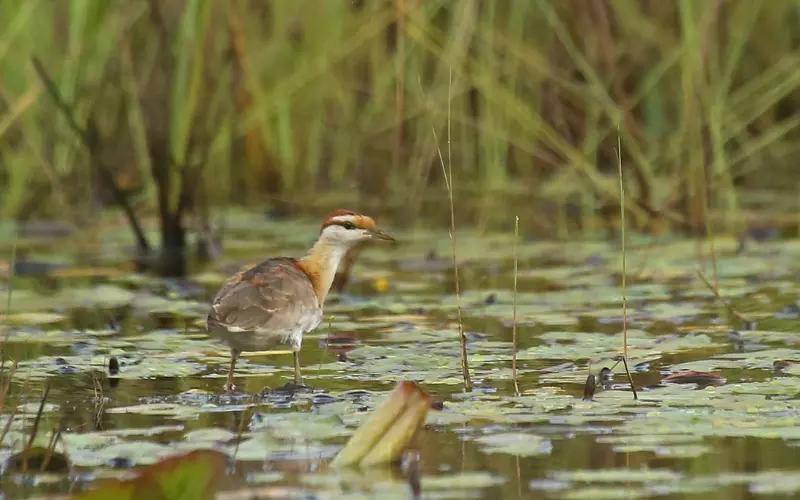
732,433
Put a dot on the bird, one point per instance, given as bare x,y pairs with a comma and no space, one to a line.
280,299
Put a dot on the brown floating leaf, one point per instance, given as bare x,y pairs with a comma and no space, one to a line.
38,458
693,377
113,365
340,342
195,475
780,364
384,436
588,389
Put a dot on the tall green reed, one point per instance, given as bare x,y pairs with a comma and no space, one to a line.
296,103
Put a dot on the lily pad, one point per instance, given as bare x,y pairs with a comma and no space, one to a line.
35,318
398,319
515,443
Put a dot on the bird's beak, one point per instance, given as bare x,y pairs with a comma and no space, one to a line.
378,234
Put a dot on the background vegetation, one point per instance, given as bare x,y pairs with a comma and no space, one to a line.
181,107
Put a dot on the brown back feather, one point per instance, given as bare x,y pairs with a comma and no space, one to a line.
273,295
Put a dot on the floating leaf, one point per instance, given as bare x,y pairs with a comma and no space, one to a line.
515,443
693,377
301,426
194,475
35,318
38,458
618,475
165,397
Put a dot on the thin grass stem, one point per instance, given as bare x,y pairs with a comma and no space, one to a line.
447,172
624,270
514,314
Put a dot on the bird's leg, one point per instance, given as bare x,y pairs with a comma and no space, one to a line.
298,380
229,387
297,385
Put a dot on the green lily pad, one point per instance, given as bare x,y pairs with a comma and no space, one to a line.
167,397
515,443
35,318
302,426
619,475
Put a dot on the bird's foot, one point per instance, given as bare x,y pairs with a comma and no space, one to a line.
290,388
229,388
297,387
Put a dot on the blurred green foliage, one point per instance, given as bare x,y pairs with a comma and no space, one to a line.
294,99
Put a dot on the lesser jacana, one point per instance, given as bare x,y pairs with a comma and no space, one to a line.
280,299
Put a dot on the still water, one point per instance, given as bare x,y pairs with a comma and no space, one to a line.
737,437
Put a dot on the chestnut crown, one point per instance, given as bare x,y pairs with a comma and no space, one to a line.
347,227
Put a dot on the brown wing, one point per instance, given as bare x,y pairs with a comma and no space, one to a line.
274,296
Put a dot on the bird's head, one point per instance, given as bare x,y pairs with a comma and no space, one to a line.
348,229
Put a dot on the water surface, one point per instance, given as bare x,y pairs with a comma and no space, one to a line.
736,438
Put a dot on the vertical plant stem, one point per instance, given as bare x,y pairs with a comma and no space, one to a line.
514,315
710,237
463,338
6,389
51,448
35,428
4,399
399,89
624,259
447,172
240,431
11,266
624,270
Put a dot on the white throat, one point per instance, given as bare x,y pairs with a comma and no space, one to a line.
333,256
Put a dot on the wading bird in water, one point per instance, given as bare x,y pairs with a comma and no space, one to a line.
280,299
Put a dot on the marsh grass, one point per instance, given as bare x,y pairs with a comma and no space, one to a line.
12,265
623,253
42,459
292,102
7,374
514,313
447,172
6,380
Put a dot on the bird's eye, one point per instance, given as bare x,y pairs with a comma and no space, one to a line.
348,225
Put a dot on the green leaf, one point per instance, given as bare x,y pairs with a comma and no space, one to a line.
195,475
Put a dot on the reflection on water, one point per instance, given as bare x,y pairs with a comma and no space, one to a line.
396,321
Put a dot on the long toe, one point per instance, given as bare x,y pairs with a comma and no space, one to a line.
292,388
